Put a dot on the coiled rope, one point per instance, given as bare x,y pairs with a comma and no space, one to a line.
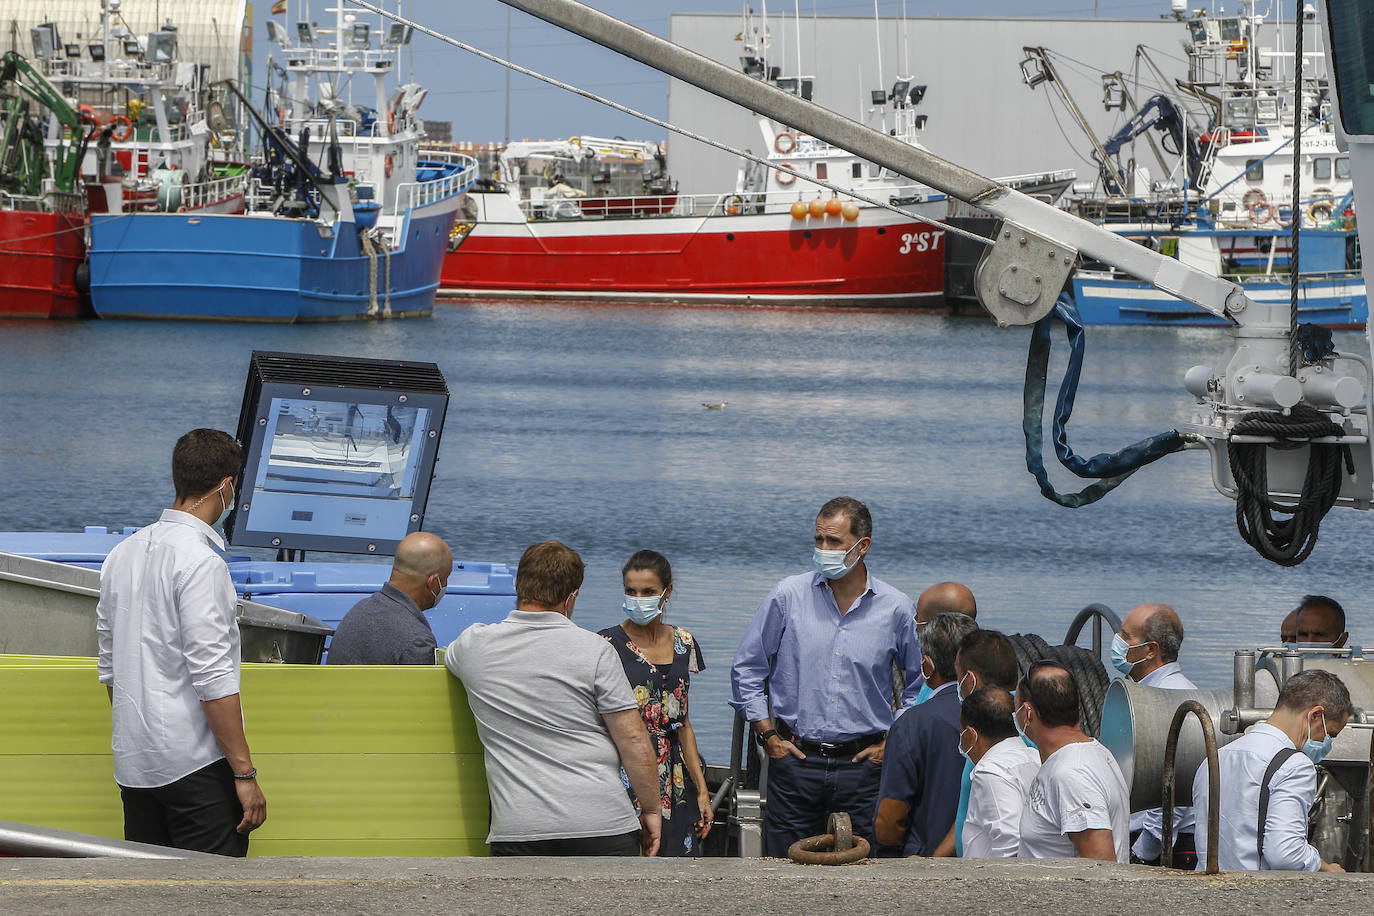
1289,541
1110,469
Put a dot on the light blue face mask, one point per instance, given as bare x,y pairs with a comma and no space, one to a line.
228,505
1119,650
643,610
831,563
1317,750
964,753
1021,731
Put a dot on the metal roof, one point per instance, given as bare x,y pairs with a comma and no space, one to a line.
209,31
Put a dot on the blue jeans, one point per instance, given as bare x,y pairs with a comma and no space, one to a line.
803,793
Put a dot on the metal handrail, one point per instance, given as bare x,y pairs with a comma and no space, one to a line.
413,194
200,194
1209,738
1099,614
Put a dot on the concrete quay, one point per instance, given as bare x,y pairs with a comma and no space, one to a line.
655,886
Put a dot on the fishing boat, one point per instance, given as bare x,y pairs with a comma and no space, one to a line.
776,238
343,218
1221,197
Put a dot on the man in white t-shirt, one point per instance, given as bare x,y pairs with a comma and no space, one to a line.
1003,769
1078,805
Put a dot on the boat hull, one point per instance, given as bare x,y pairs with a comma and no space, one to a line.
39,256
881,259
256,267
1336,300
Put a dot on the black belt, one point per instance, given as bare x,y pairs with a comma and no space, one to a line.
833,749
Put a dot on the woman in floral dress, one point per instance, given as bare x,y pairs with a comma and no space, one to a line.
659,661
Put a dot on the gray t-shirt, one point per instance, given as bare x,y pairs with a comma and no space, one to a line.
538,685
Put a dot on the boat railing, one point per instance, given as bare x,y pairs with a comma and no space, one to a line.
733,204
204,193
412,195
123,70
47,202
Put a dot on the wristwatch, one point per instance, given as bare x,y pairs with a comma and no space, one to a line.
764,736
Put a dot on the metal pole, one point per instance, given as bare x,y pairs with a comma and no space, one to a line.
1213,294
507,77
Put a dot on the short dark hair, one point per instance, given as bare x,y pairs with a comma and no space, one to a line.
988,710
1052,690
1166,630
990,653
548,573
941,638
201,459
1322,601
860,521
650,561
1316,687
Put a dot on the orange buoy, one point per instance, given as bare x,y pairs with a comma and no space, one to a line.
387,165
817,207
850,210
799,209
833,207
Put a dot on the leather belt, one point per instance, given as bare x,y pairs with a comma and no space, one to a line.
833,749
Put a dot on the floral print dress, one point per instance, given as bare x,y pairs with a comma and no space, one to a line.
662,694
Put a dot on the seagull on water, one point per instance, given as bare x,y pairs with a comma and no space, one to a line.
713,405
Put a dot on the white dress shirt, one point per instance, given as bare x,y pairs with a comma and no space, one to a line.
1291,793
168,641
997,791
1149,844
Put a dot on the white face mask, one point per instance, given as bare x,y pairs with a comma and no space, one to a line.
835,564
643,610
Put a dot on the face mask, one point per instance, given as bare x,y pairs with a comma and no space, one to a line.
1317,750
1313,645
642,610
1016,720
963,752
1119,650
436,595
831,563
973,685
227,505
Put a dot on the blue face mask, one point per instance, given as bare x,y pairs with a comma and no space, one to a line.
831,563
1317,750
962,752
643,610
1119,650
1021,731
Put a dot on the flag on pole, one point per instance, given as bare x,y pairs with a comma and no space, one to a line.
279,8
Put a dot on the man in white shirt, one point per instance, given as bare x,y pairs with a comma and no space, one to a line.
1003,769
1311,709
1078,805
1146,651
169,657
558,721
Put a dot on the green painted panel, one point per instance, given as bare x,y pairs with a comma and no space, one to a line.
354,761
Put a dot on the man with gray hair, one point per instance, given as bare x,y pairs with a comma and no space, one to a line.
919,789
389,628
1146,651
1269,780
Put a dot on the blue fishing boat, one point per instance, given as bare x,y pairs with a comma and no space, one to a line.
345,220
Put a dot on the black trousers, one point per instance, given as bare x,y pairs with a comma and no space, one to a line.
199,812
620,844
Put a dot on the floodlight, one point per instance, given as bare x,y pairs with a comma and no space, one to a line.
97,51
398,34
878,96
361,36
917,93
339,452
307,33
73,49
899,91
132,48
46,42
277,34
162,47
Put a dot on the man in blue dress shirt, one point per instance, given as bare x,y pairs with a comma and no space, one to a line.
813,676
919,791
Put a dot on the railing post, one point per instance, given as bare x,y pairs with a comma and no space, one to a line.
1209,739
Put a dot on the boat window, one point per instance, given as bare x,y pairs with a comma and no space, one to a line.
856,170
1352,57
1343,168
1321,169
1254,169
821,171
873,170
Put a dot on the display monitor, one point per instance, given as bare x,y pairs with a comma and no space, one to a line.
339,452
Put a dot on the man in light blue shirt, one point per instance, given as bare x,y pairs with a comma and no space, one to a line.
813,676
1311,709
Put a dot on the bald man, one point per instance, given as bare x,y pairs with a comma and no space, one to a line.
1146,651
389,628
940,598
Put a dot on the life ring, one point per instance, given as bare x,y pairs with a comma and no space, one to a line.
1322,208
391,123
734,205
388,165
785,142
1257,205
126,132
89,115
787,173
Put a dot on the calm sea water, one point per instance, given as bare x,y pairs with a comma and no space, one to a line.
585,423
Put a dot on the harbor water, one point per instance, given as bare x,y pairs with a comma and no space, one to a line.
586,423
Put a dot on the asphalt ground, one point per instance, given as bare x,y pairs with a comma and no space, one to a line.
656,886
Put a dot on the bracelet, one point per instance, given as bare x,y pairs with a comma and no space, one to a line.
764,736
251,774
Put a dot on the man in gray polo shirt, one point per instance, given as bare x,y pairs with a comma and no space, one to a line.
389,628
558,721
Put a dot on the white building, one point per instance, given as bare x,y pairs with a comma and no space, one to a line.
982,115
